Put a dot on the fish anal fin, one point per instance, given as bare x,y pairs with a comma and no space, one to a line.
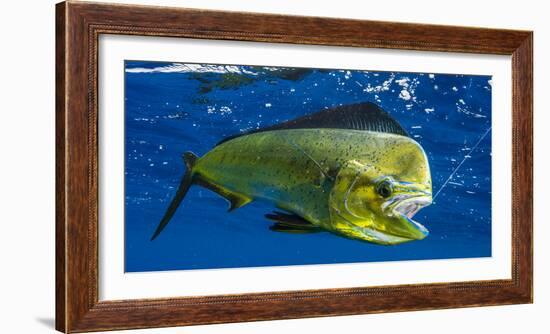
236,200
290,223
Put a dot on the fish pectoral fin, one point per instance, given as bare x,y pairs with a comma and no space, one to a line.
290,223
277,227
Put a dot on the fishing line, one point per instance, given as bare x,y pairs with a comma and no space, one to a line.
460,164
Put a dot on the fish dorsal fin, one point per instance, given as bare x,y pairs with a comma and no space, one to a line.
361,116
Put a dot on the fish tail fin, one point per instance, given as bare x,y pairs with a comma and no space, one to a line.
190,159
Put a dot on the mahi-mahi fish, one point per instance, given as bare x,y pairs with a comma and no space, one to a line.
350,170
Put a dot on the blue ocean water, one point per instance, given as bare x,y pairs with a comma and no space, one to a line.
171,108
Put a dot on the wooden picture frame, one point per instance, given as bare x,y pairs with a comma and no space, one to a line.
78,26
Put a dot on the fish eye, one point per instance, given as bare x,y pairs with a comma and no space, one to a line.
384,188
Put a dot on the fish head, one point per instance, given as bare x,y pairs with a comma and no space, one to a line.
376,202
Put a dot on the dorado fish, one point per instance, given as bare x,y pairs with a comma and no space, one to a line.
351,170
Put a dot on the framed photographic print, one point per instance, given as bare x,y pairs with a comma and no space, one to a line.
222,166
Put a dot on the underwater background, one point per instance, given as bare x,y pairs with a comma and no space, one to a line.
171,108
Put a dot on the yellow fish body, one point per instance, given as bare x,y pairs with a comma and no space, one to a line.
361,178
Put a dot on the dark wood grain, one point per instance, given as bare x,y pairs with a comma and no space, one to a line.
60,134
73,166
78,27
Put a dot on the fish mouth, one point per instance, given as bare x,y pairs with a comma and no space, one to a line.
402,228
406,208
374,235
383,238
409,206
398,231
